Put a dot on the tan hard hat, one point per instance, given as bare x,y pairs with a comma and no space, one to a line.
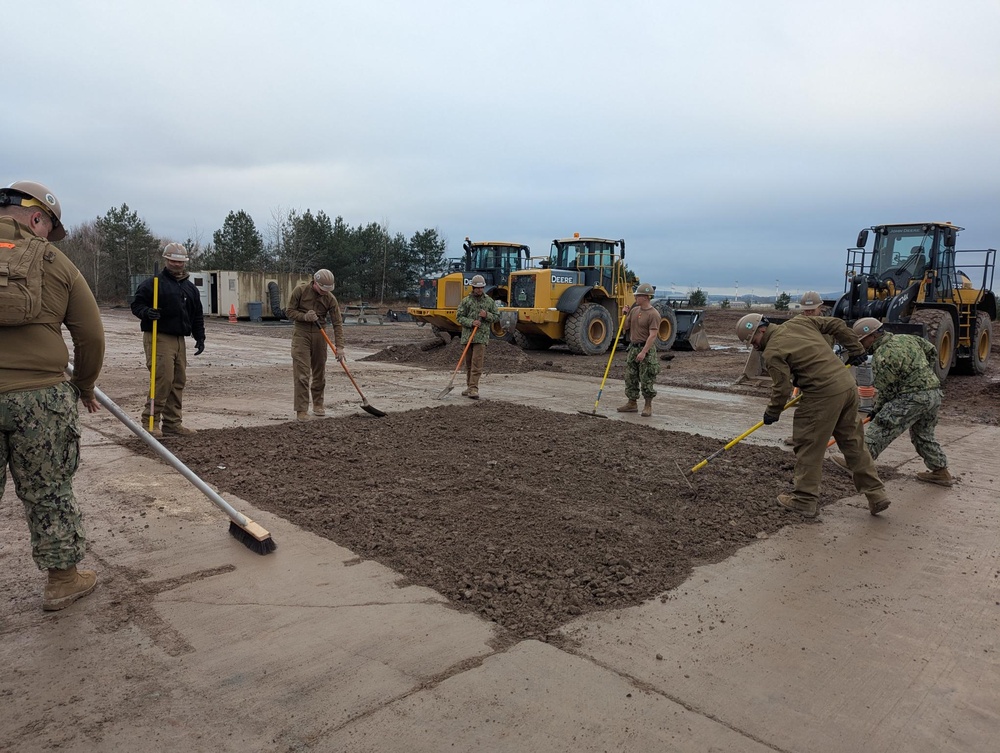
811,300
175,252
748,325
478,281
324,278
645,289
867,326
28,193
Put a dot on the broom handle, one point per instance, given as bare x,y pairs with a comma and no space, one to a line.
152,365
344,365
741,437
607,368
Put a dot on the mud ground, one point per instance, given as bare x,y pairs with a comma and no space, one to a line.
526,517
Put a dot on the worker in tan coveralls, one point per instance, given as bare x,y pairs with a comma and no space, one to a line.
311,305
39,422
796,353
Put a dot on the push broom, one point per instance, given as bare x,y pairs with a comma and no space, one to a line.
252,535
607,368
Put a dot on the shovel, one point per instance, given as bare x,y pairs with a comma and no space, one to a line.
740,438
614,345
451,382
364,401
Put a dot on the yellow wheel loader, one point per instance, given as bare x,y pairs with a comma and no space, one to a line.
575,296
916,281
439,297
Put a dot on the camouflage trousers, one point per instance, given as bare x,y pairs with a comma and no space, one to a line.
40,442
641,375
916,411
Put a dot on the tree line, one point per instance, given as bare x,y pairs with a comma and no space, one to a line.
370,262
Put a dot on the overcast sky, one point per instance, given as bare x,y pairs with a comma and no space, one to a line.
724,140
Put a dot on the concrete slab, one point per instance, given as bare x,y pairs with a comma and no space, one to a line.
855,634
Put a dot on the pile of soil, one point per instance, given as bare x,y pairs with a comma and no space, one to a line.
501,357
526,517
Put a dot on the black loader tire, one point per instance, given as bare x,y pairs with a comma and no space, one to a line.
668,326
979,348
939,330
590,330
497,332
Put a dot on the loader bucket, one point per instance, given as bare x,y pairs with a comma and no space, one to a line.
754,370
690,330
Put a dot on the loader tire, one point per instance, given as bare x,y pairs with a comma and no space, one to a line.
939,330
667,334
497,332
532,342
979,348
590,330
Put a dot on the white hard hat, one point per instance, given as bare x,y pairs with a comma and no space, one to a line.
324,278
175,252
478,281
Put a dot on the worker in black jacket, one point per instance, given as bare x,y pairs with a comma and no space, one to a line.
178,314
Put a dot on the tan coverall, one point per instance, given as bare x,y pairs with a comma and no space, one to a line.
309,348
796,353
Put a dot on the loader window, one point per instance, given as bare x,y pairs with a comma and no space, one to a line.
903,250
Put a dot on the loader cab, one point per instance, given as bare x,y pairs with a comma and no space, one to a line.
593,257
905,253
494,260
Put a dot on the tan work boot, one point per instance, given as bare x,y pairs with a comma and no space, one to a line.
66,586
302,416
473,393
179,430
629,407
318,410
941,477
878,502
465,392
805,509
788,441
647,409
156,432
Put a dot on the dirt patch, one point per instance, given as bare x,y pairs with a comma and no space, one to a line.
526,517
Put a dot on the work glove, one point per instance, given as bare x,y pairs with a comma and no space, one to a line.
483,313
199,347
311,316
153,314
769,419
858,360
341,357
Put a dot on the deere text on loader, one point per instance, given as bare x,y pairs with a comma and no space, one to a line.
439,297
916,281
575,296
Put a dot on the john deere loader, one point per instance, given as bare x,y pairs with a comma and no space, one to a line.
575,296
916,281
439,297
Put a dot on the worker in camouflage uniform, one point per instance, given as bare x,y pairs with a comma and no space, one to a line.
39,424
908,396
796,353
642,324
476,308
310,305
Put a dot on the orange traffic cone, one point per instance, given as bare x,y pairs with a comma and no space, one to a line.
232,313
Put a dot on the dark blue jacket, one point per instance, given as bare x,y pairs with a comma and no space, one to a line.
179,303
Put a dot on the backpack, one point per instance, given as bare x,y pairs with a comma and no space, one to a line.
21,280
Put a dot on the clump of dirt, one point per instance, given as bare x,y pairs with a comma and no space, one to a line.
526,517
